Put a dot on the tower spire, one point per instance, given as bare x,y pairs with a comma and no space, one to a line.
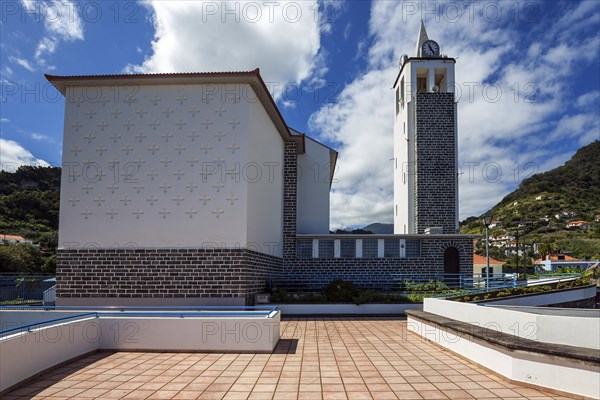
422,38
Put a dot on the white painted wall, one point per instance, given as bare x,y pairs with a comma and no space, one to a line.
190,334
543,371
480,269
220,149
545,328
313,188
264,181
363,309
404,208
26,354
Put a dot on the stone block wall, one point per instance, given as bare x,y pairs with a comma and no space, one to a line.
290,188
436,177
163,273
430,262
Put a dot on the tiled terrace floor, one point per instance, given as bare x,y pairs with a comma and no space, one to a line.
316,359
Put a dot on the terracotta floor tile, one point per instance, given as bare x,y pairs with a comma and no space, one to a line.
139,394
410,394
163,394
359,395
432,394
334,396
333,359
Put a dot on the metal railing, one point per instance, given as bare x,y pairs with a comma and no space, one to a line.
389,282
138,311
546,279
49,296
26,289
29,327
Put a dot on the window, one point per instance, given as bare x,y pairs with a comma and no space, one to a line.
304,248
325,248
348,248
391,248
370,248
402,92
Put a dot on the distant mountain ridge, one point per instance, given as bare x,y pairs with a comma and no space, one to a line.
379,228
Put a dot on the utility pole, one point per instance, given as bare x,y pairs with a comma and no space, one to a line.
524,259
517,247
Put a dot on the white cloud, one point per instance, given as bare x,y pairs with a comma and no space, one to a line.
512,132
22,62
13,155
588,99
3,120
61,23
282,39
42,137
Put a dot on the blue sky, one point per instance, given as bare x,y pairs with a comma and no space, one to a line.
528,72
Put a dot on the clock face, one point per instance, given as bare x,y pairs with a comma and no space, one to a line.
430,48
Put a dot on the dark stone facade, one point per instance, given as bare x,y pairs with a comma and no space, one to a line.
290,189
431,261
163,273
435,170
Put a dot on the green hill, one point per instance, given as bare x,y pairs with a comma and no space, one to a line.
29,204
544,204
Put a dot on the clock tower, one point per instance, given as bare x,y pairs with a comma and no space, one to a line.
425,142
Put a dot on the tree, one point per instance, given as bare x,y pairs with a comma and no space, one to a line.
546,249
20,258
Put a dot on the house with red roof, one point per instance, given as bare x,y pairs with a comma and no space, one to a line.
480,265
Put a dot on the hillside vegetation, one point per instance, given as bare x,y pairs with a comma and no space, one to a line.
29,204
543,205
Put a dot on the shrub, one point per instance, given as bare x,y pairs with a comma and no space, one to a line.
340,291
367,296
280,296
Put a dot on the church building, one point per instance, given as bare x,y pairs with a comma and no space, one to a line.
186,188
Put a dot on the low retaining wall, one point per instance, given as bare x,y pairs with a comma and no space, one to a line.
555,297
547,328
347,309
565,369
26,354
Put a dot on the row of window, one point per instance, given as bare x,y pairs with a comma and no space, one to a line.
352,248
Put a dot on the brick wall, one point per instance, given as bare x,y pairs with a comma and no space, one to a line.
435,162
163,273
431,261
290,182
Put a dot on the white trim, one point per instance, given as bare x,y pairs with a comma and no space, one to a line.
315,248
380,248
337,248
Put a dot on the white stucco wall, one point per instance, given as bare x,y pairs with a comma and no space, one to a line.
480,268
313,188
201,169
23,355
530,368
264,181
404,158
556,329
